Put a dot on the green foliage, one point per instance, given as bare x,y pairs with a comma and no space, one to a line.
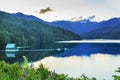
117,77
25,63
84,77
16,72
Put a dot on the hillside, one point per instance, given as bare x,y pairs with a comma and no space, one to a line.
34,34
106,32
79,27
87,29
26,17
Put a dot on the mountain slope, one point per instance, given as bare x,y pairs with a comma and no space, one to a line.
86,29
92,30
110,31
34,34
80,27
26,17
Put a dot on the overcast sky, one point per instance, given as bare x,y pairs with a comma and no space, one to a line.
63,9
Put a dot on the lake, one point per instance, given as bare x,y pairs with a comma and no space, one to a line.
93,59
98,60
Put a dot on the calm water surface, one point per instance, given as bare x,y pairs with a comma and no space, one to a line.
94,60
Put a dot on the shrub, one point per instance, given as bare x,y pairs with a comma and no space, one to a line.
24,72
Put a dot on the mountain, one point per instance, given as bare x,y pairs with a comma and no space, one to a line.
26,17
79,27
110,31
34,34
111,22
88,29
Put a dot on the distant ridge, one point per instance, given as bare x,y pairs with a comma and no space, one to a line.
106,29
26,17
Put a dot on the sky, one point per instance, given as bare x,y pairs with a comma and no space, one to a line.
51,10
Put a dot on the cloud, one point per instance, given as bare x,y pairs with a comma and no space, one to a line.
91,17
44,11
76,18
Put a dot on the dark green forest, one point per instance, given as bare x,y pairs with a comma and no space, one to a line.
35,35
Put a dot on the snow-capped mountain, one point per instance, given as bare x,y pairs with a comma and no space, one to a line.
84,27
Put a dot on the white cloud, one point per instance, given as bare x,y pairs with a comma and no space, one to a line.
64,9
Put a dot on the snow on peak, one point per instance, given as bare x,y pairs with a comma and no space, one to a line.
90,18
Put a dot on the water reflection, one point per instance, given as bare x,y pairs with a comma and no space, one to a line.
93,59
102,66
17,56
86,49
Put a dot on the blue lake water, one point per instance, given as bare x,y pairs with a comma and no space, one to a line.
98,60
92,59
86,49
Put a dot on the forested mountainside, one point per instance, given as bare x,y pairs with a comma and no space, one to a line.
26,17
105,32
108,29
87,29
34,34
